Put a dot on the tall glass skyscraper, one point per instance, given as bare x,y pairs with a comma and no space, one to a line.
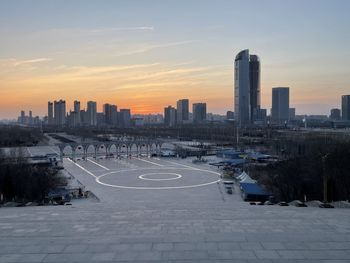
246,87
254,78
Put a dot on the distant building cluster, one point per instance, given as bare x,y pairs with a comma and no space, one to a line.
147,119
29,120
58,116
111,116
181,114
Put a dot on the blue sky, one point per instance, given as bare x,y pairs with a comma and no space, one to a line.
147,54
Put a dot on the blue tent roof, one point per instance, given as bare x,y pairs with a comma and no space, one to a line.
231,162
58,193
235,161
231,151
257,156
252,189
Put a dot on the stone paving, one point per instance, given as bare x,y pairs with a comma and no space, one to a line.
194,224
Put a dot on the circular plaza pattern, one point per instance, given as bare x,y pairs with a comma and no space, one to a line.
158,178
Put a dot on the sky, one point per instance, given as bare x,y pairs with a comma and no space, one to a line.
147,54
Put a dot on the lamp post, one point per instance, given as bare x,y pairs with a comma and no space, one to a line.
325,178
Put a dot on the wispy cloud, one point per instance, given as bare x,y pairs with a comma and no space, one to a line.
68,32
135,28
30,61
149,47
82,72
115,77
14,62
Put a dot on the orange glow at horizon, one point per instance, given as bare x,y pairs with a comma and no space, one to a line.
143,88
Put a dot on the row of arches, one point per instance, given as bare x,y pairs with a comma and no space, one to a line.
110,149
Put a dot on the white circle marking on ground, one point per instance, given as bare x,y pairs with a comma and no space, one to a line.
143,177
157,188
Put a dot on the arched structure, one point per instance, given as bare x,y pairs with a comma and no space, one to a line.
110,149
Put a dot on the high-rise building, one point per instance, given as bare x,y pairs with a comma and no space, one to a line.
254,79
125,117
22,119
170,116
280,105
100,118
107,113
91,113
73,119
167,115
110,113
77,117
36,121
291,113
230,115
50,120
259,116
199,112
345,107
246,87
173,117
30,119
59,112
242,88
84,117
182,108
335,114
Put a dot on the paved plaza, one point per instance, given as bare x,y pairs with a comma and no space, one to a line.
168,210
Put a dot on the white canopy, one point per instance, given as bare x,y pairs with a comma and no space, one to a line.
248,180
245,178
242,175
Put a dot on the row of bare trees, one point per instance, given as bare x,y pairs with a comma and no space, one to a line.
21,181
303,175
14,136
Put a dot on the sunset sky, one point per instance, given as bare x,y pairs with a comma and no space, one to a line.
145,55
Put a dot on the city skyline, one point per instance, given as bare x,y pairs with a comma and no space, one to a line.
280,113
140,55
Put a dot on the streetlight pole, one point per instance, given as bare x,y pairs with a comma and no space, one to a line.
325,179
